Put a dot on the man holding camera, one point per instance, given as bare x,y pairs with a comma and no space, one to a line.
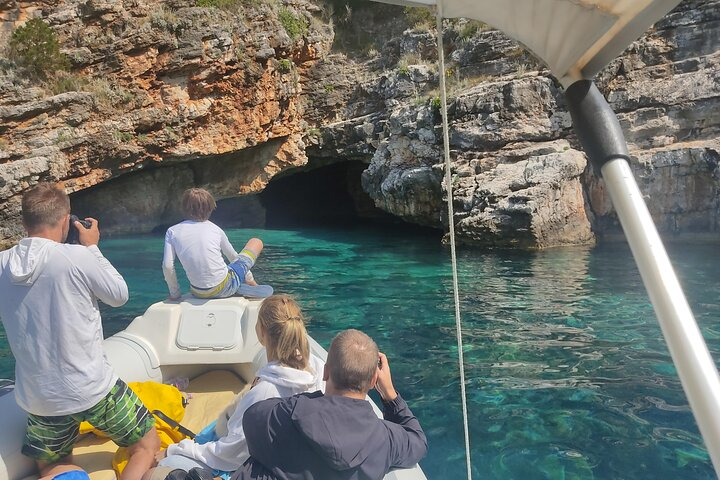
48,305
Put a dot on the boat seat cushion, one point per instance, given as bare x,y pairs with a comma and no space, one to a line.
210,393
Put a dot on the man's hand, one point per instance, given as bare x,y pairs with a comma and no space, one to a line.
88,236
384,384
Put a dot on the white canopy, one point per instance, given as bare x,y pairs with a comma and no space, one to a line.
575,38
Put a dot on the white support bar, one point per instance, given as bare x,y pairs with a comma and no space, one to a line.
690,354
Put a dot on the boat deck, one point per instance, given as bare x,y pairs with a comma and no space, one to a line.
209,393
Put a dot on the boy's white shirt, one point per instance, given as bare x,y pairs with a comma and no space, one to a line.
200,247
231,451
48,305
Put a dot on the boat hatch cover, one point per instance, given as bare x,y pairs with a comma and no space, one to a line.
209,329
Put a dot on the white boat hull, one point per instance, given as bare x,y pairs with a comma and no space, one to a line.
172,339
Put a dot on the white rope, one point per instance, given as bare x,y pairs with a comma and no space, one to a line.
451,223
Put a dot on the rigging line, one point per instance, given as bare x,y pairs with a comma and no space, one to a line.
451,223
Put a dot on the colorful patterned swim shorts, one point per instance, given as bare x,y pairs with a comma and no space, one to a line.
121,415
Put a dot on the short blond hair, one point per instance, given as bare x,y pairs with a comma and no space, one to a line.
44,205
197,204
352,361
282,321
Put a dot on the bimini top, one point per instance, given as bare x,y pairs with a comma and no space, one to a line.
575,38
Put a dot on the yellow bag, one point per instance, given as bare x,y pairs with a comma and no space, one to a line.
167,405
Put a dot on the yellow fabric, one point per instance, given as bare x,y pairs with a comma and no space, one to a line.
155,396
209,394
214,291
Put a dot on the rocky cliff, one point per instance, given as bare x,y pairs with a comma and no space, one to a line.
193,95
227,94
519,177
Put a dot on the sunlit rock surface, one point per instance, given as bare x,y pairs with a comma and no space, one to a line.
172,95
519,176
191,95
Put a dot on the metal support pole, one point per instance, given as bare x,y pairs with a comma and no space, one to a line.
600,133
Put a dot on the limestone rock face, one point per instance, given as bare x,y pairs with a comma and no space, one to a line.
533,200
401,178
519,175
156,85
166,96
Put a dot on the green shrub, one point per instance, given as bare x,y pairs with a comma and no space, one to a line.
471,28
110,96
35,47
285,65
435,103
419,16
64,135
295,26
218,3
164,19
67,82
171,134
122,137
329,88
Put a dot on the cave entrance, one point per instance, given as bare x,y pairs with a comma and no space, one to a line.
324,195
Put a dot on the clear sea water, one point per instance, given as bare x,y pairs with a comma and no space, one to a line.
568,374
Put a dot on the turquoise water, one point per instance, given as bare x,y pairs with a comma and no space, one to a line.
568,374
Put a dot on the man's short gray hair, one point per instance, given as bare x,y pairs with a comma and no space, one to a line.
352,361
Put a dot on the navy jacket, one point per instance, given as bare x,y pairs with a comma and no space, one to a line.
312,436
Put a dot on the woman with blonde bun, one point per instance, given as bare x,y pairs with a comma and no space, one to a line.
291,369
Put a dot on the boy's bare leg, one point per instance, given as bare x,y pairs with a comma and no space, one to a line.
141,456
255,245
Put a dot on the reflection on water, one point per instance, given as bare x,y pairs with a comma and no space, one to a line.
568,374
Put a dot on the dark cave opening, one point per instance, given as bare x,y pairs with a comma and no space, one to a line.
326,195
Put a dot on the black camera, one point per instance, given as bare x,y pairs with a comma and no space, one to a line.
73,233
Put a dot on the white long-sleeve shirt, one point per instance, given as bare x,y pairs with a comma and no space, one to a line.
48,305
200,247
231,451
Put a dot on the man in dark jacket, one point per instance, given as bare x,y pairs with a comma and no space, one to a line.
336,435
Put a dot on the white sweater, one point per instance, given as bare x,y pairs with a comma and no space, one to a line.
200,246
231,451
48,305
